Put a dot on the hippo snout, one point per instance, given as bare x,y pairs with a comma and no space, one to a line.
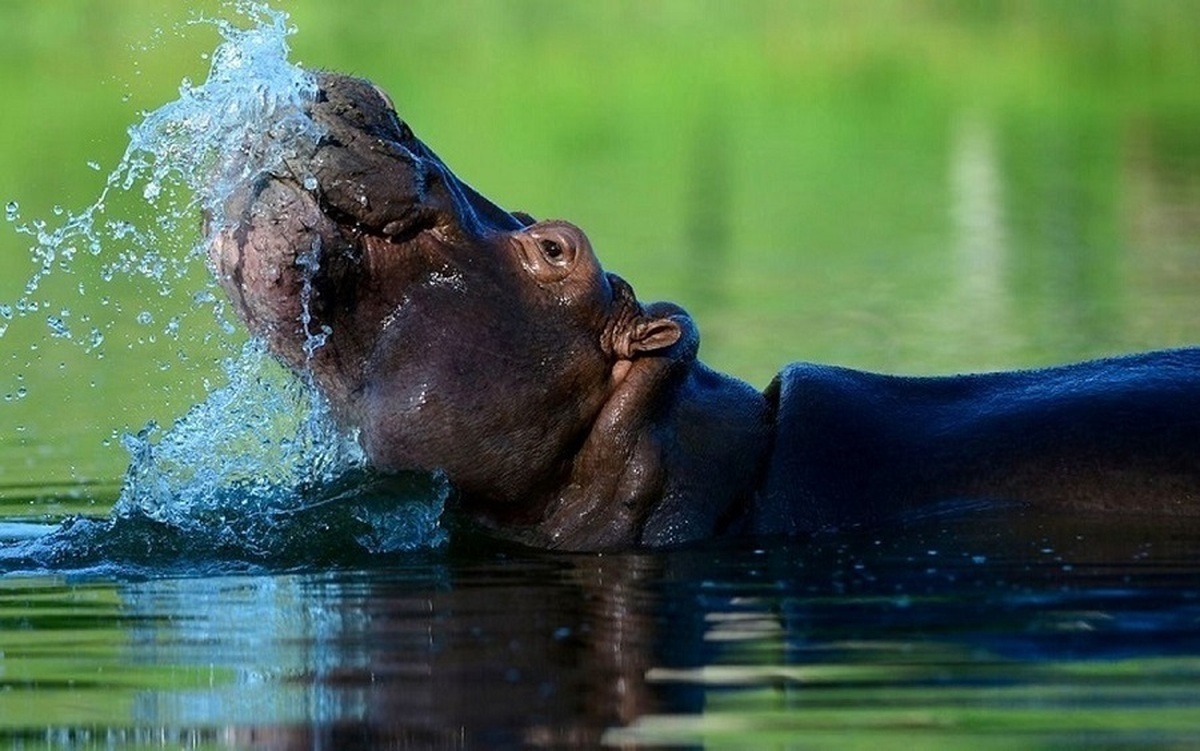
370,169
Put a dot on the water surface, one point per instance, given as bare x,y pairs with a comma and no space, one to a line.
1002,631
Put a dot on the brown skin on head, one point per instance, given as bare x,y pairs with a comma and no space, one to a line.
466,339
566,414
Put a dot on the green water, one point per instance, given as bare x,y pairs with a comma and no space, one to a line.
921,187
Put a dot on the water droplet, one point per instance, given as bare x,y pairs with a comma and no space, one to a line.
21,392
145,318
94,166
310,183
58,327
151,191
58,210
12,210
6,311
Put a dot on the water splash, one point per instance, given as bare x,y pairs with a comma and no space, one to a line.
257,476
258,471
310,264
257,450
183,159
263,431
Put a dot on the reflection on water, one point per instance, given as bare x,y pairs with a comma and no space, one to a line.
1008,630
980,303
1069,267
1161,178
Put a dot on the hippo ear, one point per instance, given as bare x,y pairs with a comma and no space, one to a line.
647,334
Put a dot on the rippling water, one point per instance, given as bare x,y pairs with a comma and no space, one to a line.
1009,631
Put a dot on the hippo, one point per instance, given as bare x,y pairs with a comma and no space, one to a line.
456,336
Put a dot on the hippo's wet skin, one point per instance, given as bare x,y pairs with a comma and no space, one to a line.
567,414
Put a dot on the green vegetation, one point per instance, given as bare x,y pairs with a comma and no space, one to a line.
914,186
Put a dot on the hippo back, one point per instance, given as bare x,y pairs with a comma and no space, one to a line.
853,447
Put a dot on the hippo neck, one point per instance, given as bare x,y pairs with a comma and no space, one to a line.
672,458
719,433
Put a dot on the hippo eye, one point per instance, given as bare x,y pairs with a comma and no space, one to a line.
552,250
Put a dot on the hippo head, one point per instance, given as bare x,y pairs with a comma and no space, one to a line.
453,334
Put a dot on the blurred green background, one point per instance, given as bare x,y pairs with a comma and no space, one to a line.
922,187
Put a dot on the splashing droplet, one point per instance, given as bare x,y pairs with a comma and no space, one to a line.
58,327
246,455
12,211
95,339
185,157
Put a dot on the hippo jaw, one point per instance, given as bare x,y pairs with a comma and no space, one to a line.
459,337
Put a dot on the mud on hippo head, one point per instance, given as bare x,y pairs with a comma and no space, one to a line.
456,335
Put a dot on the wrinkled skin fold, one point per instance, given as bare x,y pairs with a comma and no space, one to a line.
460,337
